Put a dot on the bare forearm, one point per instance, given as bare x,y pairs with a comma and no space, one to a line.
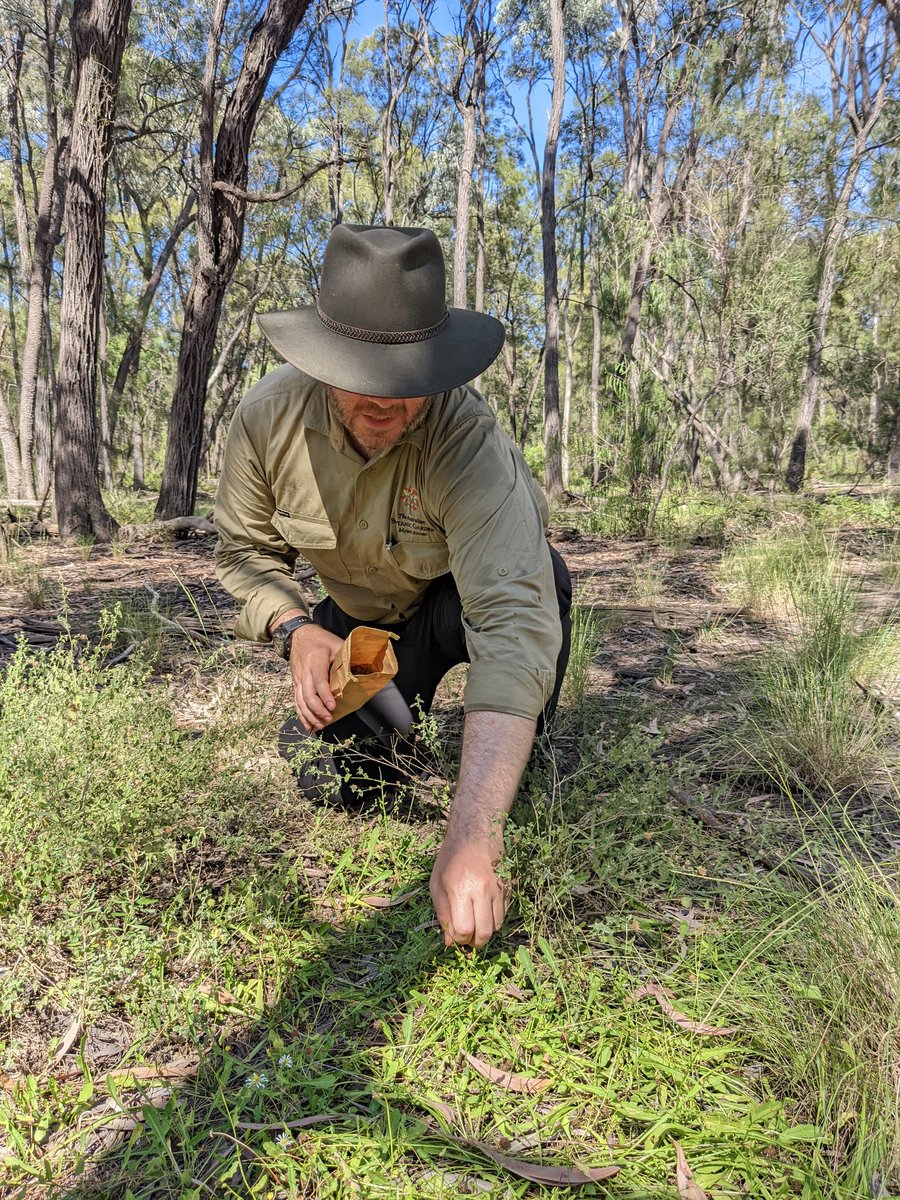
494,753
469,899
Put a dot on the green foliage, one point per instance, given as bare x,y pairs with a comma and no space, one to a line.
585,644
175,888
23,569
90,773
128,507
814,718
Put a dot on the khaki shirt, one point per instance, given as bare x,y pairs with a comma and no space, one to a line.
454,495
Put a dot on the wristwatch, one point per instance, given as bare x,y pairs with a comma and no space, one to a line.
281,635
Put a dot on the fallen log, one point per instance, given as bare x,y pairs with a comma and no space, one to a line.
196,526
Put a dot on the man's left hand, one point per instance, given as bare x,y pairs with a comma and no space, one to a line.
469,899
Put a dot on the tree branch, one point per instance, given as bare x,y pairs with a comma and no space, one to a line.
222,185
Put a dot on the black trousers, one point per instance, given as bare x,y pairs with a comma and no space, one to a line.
428,645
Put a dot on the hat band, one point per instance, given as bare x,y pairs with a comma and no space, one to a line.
385,337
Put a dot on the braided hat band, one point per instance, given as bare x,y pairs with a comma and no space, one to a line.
383,337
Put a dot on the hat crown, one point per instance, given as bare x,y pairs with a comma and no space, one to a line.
377,278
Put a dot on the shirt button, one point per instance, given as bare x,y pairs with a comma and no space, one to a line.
364,524
502,571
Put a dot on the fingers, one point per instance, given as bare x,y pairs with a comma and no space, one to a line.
441,908
312,652
498,908
313,699
468,911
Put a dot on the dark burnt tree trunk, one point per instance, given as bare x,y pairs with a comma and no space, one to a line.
221,210
552,434
99,28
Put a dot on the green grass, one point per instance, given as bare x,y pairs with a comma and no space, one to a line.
687,515
22,569
166,898
173,892
819,704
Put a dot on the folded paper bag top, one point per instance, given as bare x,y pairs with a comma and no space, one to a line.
363,665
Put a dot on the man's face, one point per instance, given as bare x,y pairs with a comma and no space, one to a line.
374,423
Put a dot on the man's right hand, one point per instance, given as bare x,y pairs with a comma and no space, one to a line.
312,652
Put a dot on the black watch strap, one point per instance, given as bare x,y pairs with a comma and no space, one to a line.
281,637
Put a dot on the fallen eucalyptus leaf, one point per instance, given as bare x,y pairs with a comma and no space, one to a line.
688,1189
536,1173
388,901
71,1036
662,994
506,1079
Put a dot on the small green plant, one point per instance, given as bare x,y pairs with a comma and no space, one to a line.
585,645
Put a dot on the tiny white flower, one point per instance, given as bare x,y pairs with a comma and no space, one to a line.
268,922
257,1082
284,1139
285,1060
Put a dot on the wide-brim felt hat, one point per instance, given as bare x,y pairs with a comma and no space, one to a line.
381,326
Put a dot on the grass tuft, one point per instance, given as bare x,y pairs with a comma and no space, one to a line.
814,713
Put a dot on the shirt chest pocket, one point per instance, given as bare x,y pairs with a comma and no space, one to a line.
420,560
305,533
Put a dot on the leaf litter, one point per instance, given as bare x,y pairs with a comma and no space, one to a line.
662,995
688,1188
529,1084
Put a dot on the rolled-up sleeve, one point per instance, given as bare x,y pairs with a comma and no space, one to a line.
501,563
253,561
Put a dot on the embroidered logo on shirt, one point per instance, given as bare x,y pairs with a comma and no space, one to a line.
409,498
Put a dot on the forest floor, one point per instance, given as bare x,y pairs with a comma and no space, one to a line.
212,987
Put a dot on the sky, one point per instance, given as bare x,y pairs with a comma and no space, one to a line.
369,16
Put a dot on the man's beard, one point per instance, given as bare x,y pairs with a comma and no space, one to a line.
370,441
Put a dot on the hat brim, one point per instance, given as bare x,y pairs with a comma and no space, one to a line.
466,346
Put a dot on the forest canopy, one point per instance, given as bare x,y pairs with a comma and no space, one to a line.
686,215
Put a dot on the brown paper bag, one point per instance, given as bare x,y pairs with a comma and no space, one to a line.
363,665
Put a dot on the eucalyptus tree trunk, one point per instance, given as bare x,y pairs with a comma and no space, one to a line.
15,48
596,339
855,69
572,331
553,481
47,224
872,422
105,425
388,169
9,442
398,76
131,355
221,212
893,466
334,64
137,452
43,439
99,28
468,101
480,248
